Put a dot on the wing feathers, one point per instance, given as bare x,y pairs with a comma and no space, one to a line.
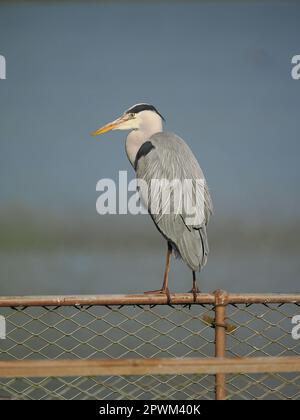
171,159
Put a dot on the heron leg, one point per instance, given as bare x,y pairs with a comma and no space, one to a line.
165,286
195,288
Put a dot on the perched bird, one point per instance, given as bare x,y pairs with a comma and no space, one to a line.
159,155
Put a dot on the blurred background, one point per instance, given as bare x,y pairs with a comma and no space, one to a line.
220,73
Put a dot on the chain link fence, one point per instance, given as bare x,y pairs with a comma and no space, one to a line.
263,330
147,331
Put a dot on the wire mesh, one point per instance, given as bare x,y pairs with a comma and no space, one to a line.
283,386
108,332
263,330
134,331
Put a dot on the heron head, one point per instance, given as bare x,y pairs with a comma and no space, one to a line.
135,118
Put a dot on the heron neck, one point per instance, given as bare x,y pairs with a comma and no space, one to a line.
137,138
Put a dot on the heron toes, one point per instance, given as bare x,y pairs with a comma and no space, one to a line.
165,291
195,291
154,292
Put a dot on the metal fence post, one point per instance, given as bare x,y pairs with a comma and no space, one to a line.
221,299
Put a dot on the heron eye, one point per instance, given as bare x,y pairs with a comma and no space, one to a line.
132,115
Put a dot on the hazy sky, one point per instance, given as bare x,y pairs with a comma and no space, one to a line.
220,73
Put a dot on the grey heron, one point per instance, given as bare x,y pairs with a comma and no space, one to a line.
157,154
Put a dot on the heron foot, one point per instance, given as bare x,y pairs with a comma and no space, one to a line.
155,292
195,291
162,291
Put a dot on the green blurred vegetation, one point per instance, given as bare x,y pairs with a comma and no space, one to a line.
23,230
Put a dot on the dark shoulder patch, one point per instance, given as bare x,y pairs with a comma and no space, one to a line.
143,151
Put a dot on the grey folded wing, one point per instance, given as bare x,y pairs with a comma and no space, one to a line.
178,180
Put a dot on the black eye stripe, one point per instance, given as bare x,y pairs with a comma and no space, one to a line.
143,107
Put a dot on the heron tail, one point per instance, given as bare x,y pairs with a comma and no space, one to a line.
193,248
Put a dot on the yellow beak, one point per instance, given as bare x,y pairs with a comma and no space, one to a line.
110,126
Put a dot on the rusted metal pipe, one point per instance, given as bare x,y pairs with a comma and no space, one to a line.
221,299
81,300
252,298
143,299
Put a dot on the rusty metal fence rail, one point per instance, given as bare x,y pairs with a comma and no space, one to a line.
224,346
